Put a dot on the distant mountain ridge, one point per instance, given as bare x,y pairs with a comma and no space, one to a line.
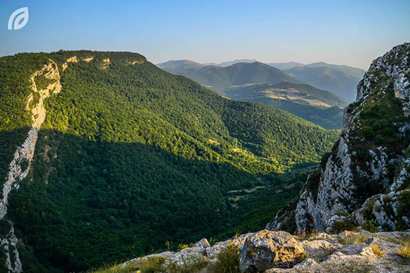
286,65
220,78
342,80
253,82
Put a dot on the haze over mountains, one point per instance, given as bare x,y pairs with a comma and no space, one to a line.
219,78
341,80
305,92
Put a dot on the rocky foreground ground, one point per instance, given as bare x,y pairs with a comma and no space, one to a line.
280,252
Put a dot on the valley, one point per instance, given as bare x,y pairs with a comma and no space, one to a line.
288,86
130,159
205,137
352,214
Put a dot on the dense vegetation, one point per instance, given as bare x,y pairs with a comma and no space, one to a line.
221,78
132,159
318,106
262,83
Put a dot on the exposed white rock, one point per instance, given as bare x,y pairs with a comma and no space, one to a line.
105,63
356,169
345,252
397,70
21,163
266,249
88,59
73,59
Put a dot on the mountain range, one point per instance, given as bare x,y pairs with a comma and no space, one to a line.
341,80
246,80
220,78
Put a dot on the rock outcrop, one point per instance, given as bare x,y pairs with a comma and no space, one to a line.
267,249
365,180
279,252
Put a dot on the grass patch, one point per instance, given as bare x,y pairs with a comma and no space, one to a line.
352,238
377,250
228,261
117,269
404,250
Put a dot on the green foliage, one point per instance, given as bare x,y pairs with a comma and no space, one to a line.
330,117
346,224
152,265
118,269
380,118
130,157
222,78
370,225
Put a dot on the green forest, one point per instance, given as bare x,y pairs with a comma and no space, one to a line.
132,159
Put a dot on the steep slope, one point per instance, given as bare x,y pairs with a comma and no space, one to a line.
340,79
127,157
365,180
318,106
220,78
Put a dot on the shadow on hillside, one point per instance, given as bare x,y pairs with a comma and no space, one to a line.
87,203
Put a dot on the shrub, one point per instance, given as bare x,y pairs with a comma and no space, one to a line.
343,225
182,246
370,226
351,238
117,269
228,260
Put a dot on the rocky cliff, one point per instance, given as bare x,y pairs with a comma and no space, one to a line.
365,180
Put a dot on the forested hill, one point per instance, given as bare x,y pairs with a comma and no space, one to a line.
120,157
220,78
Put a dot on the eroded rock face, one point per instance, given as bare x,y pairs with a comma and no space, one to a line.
366,177
20,165
267,249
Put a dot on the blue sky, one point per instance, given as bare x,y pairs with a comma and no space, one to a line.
342,31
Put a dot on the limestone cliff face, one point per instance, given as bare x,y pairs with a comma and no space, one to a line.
365,180
20,166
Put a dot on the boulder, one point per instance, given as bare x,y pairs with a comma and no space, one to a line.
268,249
